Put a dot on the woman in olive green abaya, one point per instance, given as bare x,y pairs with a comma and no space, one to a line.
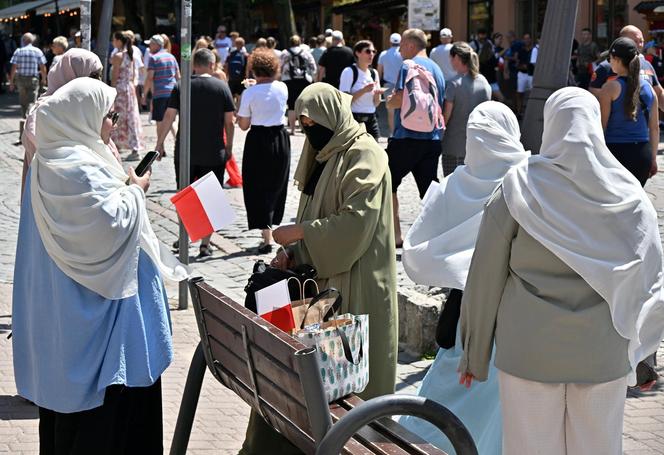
344,229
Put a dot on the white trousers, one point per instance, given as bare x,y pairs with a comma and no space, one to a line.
561,419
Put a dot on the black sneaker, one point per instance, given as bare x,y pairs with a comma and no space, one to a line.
205,251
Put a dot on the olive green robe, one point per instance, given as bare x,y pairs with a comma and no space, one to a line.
348,236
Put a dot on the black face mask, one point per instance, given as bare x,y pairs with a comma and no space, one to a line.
318,135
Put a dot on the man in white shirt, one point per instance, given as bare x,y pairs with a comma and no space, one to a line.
222,43
389,65
441,54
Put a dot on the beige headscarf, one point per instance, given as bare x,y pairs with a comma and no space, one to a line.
92,225
73,64
330,108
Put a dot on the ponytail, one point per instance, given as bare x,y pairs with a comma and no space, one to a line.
474,65
127,43
633,92
468,56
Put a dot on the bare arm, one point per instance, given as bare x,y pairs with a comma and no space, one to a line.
394,101
44,73
12,74
230,130
321,73
148,85
115,69
653,129
244,123
609,92
659,95
380,70
447,112
164,128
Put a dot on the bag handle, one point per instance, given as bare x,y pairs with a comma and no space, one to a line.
304,286
335,306
346,346
299,286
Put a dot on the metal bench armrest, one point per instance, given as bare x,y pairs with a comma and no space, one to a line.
389,405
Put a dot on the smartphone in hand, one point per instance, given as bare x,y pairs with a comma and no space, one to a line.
145,164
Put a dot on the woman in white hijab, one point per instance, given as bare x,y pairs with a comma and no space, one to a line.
90,315
437,252
567,274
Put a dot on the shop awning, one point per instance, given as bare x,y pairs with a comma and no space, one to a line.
20,9
39,6
375,5
649,7
62,5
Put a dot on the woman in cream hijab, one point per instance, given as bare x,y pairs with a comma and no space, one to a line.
90,315
344,230
72,64
567,274
437,252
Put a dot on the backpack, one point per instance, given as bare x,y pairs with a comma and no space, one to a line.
356,74
237,62
298,65
420,110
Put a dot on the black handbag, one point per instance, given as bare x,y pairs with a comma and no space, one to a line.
263,276
449,319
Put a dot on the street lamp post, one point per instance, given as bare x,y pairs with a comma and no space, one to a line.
184,131
86,23
551,68
104,32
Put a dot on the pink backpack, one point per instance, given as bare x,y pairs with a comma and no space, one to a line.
420,110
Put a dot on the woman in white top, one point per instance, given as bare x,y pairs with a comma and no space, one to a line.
266,161
362,82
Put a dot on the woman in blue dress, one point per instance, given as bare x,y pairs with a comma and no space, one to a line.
437,252
91,323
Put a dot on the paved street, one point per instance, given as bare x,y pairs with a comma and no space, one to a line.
222,417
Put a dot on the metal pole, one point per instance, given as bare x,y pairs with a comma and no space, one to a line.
104,32
551,68
184,131
192,391
86,23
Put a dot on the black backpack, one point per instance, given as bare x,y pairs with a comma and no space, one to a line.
356,74
237,62
264,275
298,65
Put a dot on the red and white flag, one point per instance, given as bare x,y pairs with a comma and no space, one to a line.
274,305
203,207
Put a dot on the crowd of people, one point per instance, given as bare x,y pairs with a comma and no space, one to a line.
550,321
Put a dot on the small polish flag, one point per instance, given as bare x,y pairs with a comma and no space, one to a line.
273,304
203,207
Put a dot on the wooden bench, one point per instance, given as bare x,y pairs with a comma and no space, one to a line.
279,378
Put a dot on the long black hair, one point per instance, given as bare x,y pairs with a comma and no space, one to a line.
127,43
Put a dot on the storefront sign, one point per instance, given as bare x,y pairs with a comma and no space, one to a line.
424,14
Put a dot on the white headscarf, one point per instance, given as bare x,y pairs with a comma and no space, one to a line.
440,244
579,202
92,224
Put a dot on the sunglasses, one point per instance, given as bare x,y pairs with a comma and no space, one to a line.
114,116
370,51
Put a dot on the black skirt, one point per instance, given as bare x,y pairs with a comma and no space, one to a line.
265,170
129,422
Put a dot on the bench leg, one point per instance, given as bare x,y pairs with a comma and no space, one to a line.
192,391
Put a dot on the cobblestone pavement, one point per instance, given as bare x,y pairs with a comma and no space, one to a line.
221,417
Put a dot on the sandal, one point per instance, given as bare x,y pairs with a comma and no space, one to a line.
264,248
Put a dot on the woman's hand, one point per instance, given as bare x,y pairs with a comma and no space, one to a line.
653,168
282,261
287,235
466,379
143,182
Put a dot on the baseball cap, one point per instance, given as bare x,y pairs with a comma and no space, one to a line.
446,33
328,32
624,48
395,38
157,39
337,35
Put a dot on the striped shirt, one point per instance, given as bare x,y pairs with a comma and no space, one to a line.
165,69
27,60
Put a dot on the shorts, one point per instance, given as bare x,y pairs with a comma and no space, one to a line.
495,87
159,106
524,82
419,156
236,86
295,88
196,172
370,123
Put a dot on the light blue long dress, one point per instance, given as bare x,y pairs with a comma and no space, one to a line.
478,407
70,343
